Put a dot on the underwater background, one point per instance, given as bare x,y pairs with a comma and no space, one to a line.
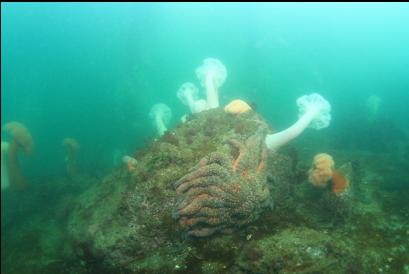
93,72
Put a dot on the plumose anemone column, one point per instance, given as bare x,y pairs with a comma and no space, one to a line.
188,94
21,141
72,147
373,104
314,111
160,115
199,106
212,74
5,181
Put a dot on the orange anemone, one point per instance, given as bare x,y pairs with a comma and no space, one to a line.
322,171
237,107
339,183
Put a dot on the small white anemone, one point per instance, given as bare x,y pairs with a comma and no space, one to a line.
126,159
212,74
183,119
188,94
130,162
199,106
314,112
160,115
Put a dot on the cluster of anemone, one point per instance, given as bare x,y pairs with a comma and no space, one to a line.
314,110
323,171
211,74
21,142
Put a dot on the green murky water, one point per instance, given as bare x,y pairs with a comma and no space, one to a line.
93,72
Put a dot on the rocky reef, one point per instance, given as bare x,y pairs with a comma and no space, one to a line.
298,250
206,177
207,197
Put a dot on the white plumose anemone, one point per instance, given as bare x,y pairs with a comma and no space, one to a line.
199,106
314,112
188,94
160,115
212,74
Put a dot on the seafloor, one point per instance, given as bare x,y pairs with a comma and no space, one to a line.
138,221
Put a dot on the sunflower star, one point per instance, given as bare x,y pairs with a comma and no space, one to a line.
221,192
